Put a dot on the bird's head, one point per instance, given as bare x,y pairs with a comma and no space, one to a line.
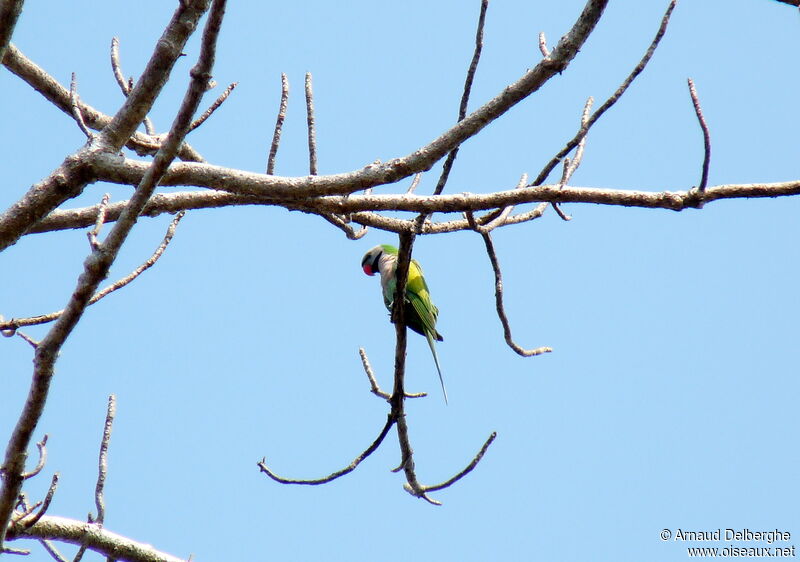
371,261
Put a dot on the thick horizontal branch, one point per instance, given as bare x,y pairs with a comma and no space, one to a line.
294,189
96,538
462,202
364,208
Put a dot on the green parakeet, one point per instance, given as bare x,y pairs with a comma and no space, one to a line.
420,312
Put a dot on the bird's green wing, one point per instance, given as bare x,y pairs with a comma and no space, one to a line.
420,298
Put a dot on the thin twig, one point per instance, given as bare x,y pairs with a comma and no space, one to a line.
101,218
414,183
312,131
340,223
462,109
45,504
116,68
213,107
610,101
52,550
76,110
375,389
32,342
706,137
41,445
501,313
492,220
570,165
276,136
19,551
27,509
543,45
126,85
45,318
333,476
102,461
469,468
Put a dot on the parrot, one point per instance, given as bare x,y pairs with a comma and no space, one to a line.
420,312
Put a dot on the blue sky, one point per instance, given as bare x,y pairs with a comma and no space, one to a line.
670,400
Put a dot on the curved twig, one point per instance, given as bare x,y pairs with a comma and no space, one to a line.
469,468
45,504
41,445
375,388
706,137
339,473
501,313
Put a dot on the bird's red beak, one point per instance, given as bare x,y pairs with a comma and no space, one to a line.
368,269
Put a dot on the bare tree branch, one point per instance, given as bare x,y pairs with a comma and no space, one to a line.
28,523
706,137
213,107
96,538
9,14
333,476
76,110
15,323
55,93
125,85
99,261
71,177
469,468
312,130
363,209
102,461
501,313
52,550
376,389
540,179
543,45
462,109
276,135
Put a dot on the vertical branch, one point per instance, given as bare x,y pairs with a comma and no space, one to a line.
398,317
462,110
498,294
102,461
706,137
312,131
397,400
276,136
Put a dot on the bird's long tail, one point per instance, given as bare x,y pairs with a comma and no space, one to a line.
432,345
